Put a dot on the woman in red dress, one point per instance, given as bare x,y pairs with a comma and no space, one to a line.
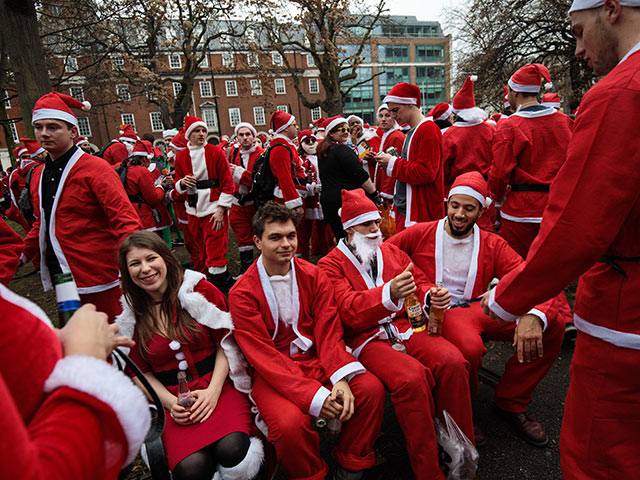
180,323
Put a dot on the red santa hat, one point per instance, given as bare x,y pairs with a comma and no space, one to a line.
19,151
264,138
589,4
81,140
440,112
318,124
465,99
280,121
527,79
505,98
551,100
357,208
142,148
333,122
472,184
404,93
191,123
57,106
305,134
127,134
32,146
246,125
178,141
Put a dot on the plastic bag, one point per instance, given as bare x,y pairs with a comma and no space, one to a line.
388,224
458,456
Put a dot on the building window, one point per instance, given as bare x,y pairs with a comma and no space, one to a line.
314,86
256,87
128,119
429,53
276,59
234,116
156,121
280,86
7,101
204,63
310,60
175,61
209,117
117,62
84,127
122,89
71,65
77,93
252,59
177,88
227,59
393,53
232,88
316,113
258,116
283,108
14,131
205,89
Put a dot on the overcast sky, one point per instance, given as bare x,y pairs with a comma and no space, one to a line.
423,9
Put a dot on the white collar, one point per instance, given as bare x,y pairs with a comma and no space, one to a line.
250,151
633,50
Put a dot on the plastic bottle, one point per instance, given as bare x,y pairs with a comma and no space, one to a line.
184,394
414,312
67,297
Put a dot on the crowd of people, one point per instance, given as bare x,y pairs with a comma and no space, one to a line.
485,218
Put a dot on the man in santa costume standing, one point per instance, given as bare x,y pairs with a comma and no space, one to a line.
465,259
390,137
288,327
371,280
242,158
31,157
417,169
82,209
204,168
590,230
442,115
122,147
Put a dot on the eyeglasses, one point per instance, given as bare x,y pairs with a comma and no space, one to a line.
293,124
309,141
343,129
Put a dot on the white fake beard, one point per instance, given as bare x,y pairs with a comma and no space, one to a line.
171,154
309,149
129,146
366,245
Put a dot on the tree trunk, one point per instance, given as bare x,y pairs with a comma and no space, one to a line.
19,25
4,119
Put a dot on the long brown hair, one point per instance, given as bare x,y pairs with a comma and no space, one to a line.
324,146
185,329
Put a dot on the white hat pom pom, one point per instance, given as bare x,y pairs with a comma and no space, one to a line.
473,78
86,106
487,202
548,86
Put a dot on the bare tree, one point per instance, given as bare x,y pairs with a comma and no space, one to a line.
496,37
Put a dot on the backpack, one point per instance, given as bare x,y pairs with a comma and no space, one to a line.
104,149
122,172
24,200
263,182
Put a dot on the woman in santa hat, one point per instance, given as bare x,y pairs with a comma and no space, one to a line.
180,324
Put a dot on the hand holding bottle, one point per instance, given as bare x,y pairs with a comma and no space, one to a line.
403,284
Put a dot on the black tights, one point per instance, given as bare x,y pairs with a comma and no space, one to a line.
229,451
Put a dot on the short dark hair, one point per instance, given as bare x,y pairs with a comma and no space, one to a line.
148,137
272,212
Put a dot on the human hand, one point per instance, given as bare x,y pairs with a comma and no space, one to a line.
180,414
485,307
232,166
383,159
205,404
403,284
217,219
88,333
439,297
188,181
342,389
527,338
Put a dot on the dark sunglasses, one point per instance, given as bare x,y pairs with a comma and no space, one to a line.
343,129
309,140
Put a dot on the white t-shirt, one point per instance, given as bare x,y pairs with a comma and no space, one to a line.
456,262
283,290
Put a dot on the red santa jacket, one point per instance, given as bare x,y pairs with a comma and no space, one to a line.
11,246
529,147
18,178
384,183
312,208
466,147
364,303
593,211
140,186
115,153
74,417
206,163
243,173
492,257
318,333
285,167
91,215
422,172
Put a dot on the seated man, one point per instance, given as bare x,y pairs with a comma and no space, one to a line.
465,259
288,327
371,280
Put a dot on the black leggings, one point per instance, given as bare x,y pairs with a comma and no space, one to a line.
331,217
229,451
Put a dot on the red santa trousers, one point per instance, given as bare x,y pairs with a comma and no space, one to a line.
297,443
410,380
192,247
599,437
320,235
240,219
213,244
107,301
520,236
464,326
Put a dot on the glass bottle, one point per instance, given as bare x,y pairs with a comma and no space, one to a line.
434,326
414,312
67,297
334,425
184,394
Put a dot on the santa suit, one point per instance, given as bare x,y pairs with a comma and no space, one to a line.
17,182
393,137
295,363
115,153
74,417
285,166
90,216
163,211
364,304
11,246
590,226
140,186
490,257
241,214
207,163
421,171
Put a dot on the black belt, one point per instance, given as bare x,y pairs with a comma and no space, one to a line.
170,377
533,187
205,184
612,261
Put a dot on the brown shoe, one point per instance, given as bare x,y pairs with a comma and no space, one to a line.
479,437
526,427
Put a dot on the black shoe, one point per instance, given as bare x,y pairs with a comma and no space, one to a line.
223,281
570,333
246,259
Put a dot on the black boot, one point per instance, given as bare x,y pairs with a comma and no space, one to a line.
246,259
223,281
